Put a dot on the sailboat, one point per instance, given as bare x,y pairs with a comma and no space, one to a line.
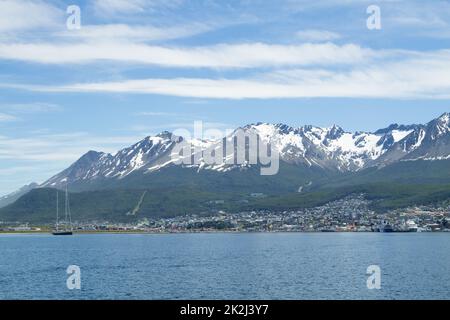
67,230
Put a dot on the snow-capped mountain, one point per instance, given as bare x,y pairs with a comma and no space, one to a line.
424,142
95,164
330,148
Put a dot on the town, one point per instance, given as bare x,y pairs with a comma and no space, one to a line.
350,214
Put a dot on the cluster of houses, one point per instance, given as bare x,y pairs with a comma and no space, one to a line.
350,214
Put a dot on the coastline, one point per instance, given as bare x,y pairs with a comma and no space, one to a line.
204,232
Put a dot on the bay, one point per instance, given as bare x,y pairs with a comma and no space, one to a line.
226,266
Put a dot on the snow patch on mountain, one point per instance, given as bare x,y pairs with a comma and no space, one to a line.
330,148
399,135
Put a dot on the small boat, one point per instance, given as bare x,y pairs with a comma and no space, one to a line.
62,233
67,230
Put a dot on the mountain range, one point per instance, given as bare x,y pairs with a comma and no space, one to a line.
412,161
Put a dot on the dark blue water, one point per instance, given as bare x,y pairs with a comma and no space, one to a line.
226,266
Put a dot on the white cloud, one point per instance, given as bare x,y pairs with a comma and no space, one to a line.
421,14
60,148
37,107
109,7
312,35
419,76
247,55
137,33
119,6
27,19
7,117
28,14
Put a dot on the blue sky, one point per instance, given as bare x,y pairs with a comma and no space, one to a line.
138,67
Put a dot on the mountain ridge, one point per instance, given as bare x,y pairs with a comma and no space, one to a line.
313,160
331,148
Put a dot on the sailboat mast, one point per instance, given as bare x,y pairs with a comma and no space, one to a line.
68,210
65,207
57,209
65,230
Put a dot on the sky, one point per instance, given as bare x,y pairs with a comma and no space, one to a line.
135,68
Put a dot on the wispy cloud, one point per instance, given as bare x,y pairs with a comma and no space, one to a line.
7,117
422,14
37,107
37,157
134,33
419,76
14,112
119,6
14,170
65,147
156,114
28,15
247,55
39,19
145,130
312,35
108,7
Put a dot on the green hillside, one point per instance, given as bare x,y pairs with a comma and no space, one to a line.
245,180
384,196
181,191
404,172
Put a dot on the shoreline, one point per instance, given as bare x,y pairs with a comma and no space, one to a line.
202,232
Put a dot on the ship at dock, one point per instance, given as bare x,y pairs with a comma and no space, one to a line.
411,226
